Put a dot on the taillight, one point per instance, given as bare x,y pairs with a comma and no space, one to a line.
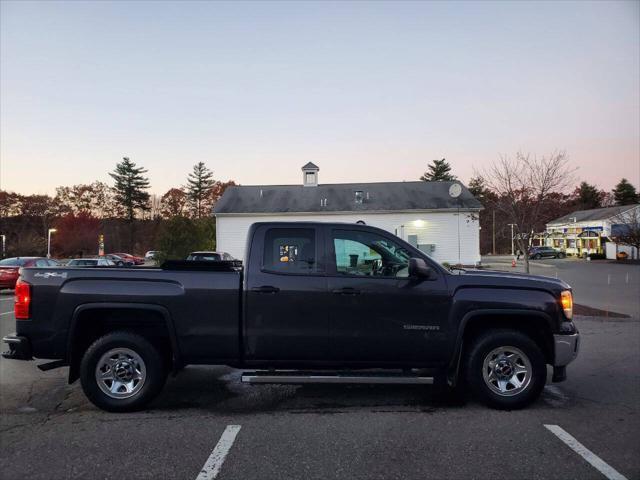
22,300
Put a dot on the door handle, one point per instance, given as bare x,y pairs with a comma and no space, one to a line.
346,291
265,289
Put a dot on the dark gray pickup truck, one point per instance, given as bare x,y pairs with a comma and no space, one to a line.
315,302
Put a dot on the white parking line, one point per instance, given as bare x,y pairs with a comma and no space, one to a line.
6,299
211,468
6,313
595,461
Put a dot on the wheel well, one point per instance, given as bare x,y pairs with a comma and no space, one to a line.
94,323
534,326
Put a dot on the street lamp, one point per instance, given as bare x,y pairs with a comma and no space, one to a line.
51,230
512,225
4,243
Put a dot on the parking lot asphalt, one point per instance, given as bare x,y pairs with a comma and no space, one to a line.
49,430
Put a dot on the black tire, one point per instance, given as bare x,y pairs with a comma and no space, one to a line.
153,365
537,256
480,350
561,255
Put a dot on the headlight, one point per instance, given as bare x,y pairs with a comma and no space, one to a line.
566,299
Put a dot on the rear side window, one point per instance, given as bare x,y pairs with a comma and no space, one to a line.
12,262
42,263
290,250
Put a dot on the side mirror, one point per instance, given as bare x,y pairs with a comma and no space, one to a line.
418,268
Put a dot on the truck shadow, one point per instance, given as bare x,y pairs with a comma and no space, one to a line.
220,390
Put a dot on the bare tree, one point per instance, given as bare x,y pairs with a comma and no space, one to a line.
626,229
526,186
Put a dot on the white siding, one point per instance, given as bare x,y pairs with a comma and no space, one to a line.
438,228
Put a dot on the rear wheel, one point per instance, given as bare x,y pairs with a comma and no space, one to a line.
122,371
505,369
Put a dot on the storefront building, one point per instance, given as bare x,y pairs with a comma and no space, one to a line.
584,232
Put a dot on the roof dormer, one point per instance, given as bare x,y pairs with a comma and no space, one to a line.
310,175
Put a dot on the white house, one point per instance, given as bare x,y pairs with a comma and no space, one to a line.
428,215
592,231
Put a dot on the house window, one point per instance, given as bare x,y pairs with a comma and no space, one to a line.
359,196
310,178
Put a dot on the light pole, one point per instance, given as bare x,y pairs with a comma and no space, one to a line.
51,230
4,244
512,251
454,192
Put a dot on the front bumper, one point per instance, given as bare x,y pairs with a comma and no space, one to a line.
565,349
19,348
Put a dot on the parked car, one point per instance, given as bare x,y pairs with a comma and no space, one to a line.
119,261
90,262
151,255
10,268
210,256
545,252
131,258
315,303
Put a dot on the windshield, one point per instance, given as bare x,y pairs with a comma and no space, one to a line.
211,257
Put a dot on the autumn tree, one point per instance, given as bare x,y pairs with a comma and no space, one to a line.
625,193
96,198
199,182
526,186
173,203
77,235
214,194
438,171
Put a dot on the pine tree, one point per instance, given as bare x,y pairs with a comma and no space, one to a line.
625,193
588,196
130,191
130,188
439,171
199,182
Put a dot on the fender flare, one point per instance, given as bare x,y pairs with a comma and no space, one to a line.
74,369
453,369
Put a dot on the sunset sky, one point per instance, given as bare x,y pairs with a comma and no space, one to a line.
369,91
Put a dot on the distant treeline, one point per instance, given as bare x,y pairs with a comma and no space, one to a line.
130,219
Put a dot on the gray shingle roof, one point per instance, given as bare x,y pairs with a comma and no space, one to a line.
340,197
590,215
311,166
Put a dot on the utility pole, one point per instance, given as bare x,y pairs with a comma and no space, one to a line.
494,232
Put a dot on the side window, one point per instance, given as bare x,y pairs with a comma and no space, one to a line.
290,250
367,254
42,263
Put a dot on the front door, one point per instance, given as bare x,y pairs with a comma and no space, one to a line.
286,290
377,313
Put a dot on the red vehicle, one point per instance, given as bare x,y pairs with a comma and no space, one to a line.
10,268
131,258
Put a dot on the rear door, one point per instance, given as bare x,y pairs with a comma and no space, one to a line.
286,295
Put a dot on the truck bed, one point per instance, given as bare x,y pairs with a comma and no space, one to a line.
199,306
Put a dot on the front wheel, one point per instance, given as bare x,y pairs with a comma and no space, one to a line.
537,256
121,372
506,369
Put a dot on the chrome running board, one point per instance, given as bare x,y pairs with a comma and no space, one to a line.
347,377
